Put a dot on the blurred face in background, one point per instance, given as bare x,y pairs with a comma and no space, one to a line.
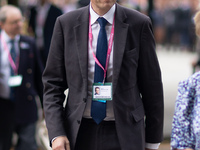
197,23
42,2
13,23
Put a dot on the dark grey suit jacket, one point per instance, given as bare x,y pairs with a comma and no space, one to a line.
137,85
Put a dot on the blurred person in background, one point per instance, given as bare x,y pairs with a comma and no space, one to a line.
186,119
184,25
41,23
158,22
66,5
20,82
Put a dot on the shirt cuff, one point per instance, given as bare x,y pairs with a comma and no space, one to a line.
53,139
56,138
152,145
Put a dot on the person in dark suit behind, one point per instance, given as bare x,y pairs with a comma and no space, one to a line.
131,118
41,23
20,82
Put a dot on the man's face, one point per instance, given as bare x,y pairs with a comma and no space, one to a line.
102,6
13,23
97,90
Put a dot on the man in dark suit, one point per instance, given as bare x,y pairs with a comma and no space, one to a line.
134,111
20,82
41,23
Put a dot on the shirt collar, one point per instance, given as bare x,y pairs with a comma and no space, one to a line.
7,38
45,7
108,16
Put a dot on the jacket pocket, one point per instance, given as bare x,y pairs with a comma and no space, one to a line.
138,113
130,53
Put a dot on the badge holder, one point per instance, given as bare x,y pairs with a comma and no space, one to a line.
102,92
15,81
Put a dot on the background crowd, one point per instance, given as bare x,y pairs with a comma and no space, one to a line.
172,20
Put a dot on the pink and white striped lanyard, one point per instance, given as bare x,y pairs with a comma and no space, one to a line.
109,47
12,63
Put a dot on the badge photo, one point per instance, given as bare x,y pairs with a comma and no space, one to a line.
102,91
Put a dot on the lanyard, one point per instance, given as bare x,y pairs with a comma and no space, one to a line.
109,47
12,63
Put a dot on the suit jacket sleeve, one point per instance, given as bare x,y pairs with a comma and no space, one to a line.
150,85
54,80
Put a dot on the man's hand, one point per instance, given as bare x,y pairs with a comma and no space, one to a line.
61,143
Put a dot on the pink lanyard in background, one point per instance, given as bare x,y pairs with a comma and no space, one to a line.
12,63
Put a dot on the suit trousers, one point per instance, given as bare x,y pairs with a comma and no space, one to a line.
92,136
7,123
26,136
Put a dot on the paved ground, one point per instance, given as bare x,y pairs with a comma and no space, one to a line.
164,145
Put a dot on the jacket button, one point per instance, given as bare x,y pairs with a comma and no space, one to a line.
28,85
29,71
78,121
30,98
85,100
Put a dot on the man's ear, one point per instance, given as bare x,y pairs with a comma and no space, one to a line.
1,24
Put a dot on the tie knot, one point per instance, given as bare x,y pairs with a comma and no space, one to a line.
12,41
102,21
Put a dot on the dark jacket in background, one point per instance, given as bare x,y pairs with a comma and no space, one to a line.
51,17
30,67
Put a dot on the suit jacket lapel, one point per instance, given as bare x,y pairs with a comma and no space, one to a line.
25,52
81,38
23,47
21,53
120,35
